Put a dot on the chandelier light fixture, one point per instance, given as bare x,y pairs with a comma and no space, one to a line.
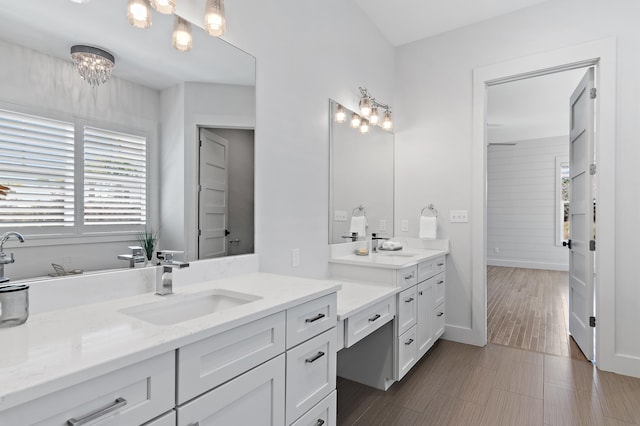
182,38
164,6
93,64
215,22
369,113
139,13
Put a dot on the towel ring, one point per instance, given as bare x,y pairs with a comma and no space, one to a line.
359,211
431,211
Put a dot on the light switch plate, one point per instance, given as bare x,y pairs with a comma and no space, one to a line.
295,257
404,225
340,216
383,225
459,216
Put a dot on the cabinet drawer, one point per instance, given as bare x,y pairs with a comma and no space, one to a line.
406,309
407,352
168,419
406,277
129,396
367,321
323,414
310,319
429,268
205,364
438,321
311,373
255,398
438,289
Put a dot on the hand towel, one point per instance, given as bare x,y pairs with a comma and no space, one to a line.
428,227
391,245
359,225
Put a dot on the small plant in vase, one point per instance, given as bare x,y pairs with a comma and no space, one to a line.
148,240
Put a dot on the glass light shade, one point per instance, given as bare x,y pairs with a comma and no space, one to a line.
374,117
93,64
364,126
355,120
182,38
365,106
387,123
341,115
215,22
164,6
139,13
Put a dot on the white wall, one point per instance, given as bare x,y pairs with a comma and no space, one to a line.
434,131
522,206
306,53
39,84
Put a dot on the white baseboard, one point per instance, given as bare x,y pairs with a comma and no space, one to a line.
528,264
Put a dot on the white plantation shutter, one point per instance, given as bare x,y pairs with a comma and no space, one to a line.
36,162
115,178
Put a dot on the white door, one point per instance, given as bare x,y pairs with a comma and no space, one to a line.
213,196
581,215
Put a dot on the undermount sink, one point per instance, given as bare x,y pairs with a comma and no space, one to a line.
179,308
397,254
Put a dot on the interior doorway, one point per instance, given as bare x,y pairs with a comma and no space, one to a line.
225,192
532,291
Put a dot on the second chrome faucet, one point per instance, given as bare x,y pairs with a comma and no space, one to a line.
164,278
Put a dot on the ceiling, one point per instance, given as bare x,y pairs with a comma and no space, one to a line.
405,21
142,56
530,109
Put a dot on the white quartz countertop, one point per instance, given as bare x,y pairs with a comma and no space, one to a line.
58,349
390,259
356,296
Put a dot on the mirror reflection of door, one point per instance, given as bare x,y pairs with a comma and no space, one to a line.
226,192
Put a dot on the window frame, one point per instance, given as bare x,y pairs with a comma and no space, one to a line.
79,232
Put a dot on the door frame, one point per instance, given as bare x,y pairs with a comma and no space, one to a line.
601,53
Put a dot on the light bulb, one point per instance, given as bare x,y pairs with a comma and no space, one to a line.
214,19
341,116
164,6
139,13
182,38
365,106
364,126
387,124
374,118
355,120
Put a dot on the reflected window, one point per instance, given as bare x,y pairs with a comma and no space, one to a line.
562,199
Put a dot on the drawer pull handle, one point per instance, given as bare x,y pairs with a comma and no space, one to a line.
320,422
440,314
441,282
374,318
408,276
314,358
408,342
314,319
441,264
420,293
118,403
409,300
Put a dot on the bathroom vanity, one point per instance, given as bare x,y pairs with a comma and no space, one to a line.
391,308
231,347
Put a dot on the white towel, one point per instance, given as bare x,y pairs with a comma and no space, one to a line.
359,225
428,227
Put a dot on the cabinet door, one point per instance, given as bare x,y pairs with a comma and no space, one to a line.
255,398
407,352
406,310
424,327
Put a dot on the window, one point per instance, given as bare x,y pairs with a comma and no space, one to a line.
562,199
67,178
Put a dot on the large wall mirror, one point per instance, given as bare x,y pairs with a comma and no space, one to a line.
169,97
362,178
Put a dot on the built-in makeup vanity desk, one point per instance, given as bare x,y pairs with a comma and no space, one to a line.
266,355
390,309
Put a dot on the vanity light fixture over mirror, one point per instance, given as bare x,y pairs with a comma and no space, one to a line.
155,106
361,175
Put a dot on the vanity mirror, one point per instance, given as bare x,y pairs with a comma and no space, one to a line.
361,178
157,93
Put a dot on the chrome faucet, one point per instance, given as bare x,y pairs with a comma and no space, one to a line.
4,259
164,277
374,241
136,256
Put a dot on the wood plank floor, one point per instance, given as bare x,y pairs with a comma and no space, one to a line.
457,384
529,309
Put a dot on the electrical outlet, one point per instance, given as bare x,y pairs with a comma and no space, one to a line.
404,225
459,216
295,257
383,225
340,216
